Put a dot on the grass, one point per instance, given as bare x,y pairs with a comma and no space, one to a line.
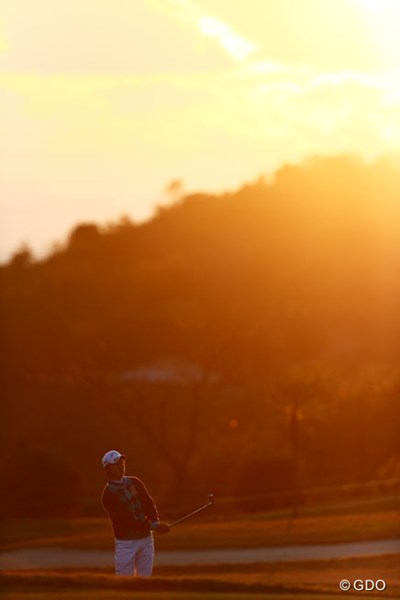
316,579
240,531
110,595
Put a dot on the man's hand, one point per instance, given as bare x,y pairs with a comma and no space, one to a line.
162,528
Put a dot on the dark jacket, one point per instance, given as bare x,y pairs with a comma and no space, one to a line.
130,508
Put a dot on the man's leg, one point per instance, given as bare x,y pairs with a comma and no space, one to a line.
144,557
125,551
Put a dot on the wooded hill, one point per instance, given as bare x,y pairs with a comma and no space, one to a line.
241,341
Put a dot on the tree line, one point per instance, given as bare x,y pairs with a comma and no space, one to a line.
246,341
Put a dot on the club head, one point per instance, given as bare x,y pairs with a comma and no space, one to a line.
211,498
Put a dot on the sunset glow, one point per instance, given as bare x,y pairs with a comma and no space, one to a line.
103,104
379,6
381,19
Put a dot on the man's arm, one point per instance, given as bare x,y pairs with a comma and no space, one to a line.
107,502
150,508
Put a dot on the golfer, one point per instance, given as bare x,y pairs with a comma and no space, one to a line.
133,515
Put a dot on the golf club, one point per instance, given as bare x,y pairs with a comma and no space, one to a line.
209,503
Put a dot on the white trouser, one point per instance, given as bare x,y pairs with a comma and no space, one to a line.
134,557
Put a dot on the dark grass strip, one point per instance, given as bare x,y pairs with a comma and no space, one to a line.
54,581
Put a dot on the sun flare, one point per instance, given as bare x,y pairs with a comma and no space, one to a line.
381,18
380,5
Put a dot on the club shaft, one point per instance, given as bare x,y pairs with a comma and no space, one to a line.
191,514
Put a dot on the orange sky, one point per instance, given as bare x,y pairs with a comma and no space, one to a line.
103,103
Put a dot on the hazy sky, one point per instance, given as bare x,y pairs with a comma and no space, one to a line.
103,102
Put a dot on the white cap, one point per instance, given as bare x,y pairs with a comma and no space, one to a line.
111,457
